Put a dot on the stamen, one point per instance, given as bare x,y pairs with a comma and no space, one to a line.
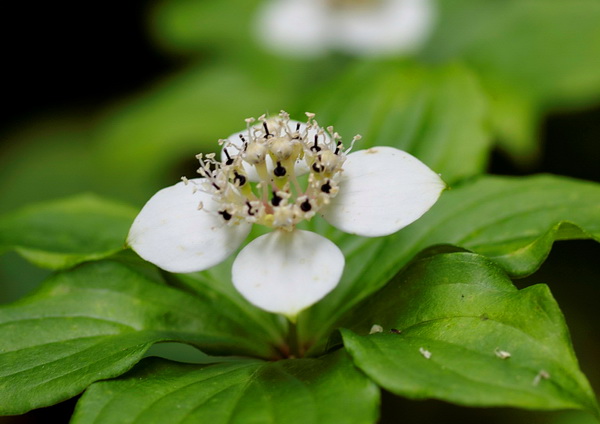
229,159
354,140
315,147
337,147
305,206
276,200
239,178
226,215
316,166
294,180
279,171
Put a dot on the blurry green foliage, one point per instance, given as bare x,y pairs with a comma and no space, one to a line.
193,27
437,113
548,49
533,56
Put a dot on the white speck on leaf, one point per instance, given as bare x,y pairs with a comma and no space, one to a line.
376,329
543,374
426,354
502,354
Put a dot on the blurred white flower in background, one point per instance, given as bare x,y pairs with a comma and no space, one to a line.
359,27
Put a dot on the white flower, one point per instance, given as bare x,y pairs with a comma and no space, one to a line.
361,27
278,173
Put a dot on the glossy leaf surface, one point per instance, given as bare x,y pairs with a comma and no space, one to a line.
455,328
514,221
319,391
63,233
96,321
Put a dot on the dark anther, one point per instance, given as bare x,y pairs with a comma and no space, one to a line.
337,148
297,132
279,170
315,147
276,200
326,188
250,212
306,206
226,215
239,178
216,186
316,167
243,141
229,160
267,133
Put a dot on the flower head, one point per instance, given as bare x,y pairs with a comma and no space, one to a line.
362,27
277,173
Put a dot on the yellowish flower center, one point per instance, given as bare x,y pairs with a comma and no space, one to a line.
275,149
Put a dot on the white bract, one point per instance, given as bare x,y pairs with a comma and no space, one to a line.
277,173
361,27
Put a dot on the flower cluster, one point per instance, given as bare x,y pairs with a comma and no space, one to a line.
277,173
274,154
361,27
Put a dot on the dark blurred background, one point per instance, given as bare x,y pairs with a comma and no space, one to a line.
73,57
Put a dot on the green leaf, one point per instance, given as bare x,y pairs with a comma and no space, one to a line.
52,152
533,55
463,333
549,48
516,119
193,27
216,284
96,321
514,221
66,232
319,391
145,139
435,113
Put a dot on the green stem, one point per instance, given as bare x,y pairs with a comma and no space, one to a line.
292,339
